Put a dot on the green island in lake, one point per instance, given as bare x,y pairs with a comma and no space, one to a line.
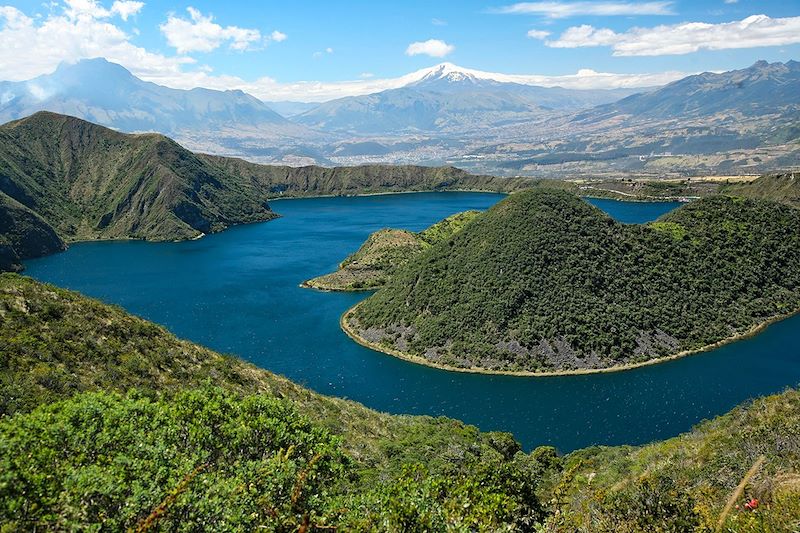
384,251
545,283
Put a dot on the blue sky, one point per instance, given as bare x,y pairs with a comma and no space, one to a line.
240,44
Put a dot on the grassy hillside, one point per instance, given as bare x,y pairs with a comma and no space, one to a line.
110,422
778,187
91,182
384,252
684,483
545,282
24,234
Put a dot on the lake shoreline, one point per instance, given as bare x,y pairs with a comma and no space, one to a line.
344,323
385,193
320,288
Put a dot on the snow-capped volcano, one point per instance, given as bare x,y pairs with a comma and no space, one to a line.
449,98
450,73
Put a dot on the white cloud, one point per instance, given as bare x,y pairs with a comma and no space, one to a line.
751,32
557,10
731,1
126,8
317,55
278,36
200,33
438,22
538,34
431,47
85,8
73,31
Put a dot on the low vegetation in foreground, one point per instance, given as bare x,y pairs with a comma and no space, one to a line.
109,422
545,282
384,251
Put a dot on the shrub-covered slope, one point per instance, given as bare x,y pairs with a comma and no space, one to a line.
545,282
111,456
384,252
684,483
109,422
778,187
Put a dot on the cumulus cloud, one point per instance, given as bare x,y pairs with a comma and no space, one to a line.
126,8
557,10
431,47
278,36
751,32
78,29
199,33
538,34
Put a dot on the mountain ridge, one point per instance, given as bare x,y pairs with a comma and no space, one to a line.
106,93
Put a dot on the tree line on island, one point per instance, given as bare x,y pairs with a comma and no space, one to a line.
545,282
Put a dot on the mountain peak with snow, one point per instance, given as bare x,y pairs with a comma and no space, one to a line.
450,73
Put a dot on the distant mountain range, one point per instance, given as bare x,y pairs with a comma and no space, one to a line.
740,121
106,93
764,88
449,99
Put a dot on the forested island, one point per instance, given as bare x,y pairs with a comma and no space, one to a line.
109,422
384,251
543,282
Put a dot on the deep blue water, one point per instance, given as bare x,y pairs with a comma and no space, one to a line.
237,292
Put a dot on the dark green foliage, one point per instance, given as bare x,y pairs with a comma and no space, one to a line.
578,290
55,344
106,460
